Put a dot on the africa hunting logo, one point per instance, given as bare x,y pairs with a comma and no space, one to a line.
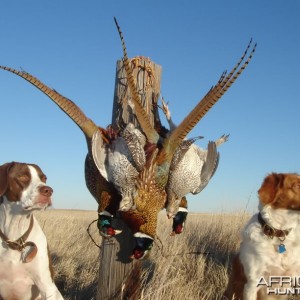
280,285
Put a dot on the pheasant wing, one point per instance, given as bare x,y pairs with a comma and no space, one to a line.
99,153
209,167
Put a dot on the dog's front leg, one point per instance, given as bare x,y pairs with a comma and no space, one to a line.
250,290
53,293
47,287
49,291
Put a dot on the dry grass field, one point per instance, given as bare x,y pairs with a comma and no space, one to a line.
193,265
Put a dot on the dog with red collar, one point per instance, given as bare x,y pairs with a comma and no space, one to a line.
25,265
270,243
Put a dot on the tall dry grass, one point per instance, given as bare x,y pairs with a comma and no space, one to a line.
75,257
193,265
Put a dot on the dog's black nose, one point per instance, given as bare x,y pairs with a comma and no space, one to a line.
46,190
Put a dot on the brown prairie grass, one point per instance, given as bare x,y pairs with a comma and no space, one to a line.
192,265
74,256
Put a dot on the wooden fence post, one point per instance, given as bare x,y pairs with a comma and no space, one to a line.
119,276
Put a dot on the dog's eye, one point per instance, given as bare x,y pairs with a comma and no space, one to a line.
44,178
296,186
24,178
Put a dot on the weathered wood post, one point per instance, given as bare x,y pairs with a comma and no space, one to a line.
119,276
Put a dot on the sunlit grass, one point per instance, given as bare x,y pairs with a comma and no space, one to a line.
192,265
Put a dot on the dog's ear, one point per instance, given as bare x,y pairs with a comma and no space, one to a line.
4,169
269,188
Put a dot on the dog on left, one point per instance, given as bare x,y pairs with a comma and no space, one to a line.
25,265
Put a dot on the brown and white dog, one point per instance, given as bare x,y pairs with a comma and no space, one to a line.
268,264
25,268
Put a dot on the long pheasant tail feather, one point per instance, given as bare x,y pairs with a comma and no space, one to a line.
66,105
140,112
226,81
234,75
213,95
238,64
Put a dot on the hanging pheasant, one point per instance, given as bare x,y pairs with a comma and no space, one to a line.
123,148
121,161
191,169
182,211
150,195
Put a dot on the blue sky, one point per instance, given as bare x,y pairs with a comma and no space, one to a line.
73,46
